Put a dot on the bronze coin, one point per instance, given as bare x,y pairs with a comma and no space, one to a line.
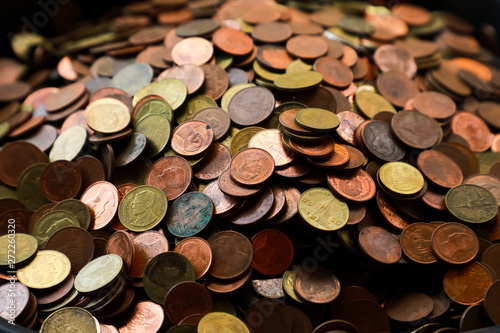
149,35
191,75
468,284
65,97
187,298
251,106
473,130
314,150
380,141
274,57
198,252
435,198
306,47
198,27
273,252
413,15
55,295
76,243
434,104
272,32
298,168
338,158
491,302
254,209
462,156
232,188
490,257
323,97
396,87
233,42
127,153
29,126
191,138
92,170
287,120
355,186
217,118
61,180
172,174
14,91
216,81
14,293
121,243
214,163
147,245
269,315
223,286
78,118
389,211
409,307
144,309
252,166
232,254
319,286
380,245
15,157
455,243
306,28
223,203
349,121
415,129
390,57
102,199
356,158
334,72
439,168
416,243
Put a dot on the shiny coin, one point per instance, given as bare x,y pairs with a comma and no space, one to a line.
98,273
48,269
322,210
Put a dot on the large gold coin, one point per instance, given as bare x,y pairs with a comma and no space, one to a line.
298,81
174,91
370,103
322,210
69,144
401,178
23,247
156,129
70,320
217,322
107,115
48,269
152,105
98,273
50,223
318,120
143,208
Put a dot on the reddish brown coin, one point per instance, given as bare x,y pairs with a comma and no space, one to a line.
217,118
185,299
356,186
147,245
287,120
102,199
473,130
21,217
223,286
314,150
216,81
349,121
61,180
191,138
489,182
214,163
232,41
409,307
15,157
172,174
65,97
198,252
274,57
416,243
144,309
230,187
10,92
413,15
223,203
92,170
338,158
415,129
76,243
380,245
58,293
251,106
390,57
272,32
254,209
435,197
467,285
439,168
319,286
273,252
455,243
334,72
278,319
396,87
389,211
252,166
379,140
191,75
434,104
121,243
306,47
232,254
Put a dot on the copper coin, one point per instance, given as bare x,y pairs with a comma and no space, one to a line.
434,104
230,187
146,316
185,299
76,243
182,52
287,120
349,121
61,180
338,158
78,118
102,199
60,292
30,125
15,157
274,57
192,138
338,325
489,112
254,209
92,170
20,216
64,97
435,198
306,47
271,141
416,243
189,214
214,163
64,113
251,106
390,57
9,110
14,91
272,32
223,286
389,211
269,315
121,243
232,254
232,41
252,166
319,286
490,257
147,245
356,158
396,87
380,245
462,156
439,168
387,28
306,28
455,243
297,169
38,97
491,302
223,203
149,35
129,152
8,204
379,141
217,118
415,129
334,72
13,293
467,285
273,252
172,174
473,130
314,150
412,14
216,81
191,75
409,307
278,208
321,97
355,186
198,252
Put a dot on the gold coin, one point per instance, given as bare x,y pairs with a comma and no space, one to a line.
24,246
226,98
322,210
98,273
48,269
156,129
4,129
29,189
70,319
288,284
217,322
298,81
264,73
174,91
224,61
193,105
370,103
298,66
62,304
50,223
69,144
107,115
242,138
152,106
318,120
401,178
143,208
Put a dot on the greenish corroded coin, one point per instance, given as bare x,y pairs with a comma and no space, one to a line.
471,203
50,223
370,103
156,129
163,272
142,208
28,187
192,106
25,248
98,273
298,81
77,208
190,214
151,105
174,91
226,98
69,144
317,120
322,210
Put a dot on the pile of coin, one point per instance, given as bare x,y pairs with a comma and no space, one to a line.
248,166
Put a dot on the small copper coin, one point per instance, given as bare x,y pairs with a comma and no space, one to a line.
145,309
254,209
491,258
380,245
415,129
60,292
191,138
273,252
439,168
409,307
92,170
314,150
14,91
396,87
467,285
413,15
473,129
195,50
416,242
251,106
356,186
274,57
349,121
222,286
217,118
15,157
102,199
234,42
232,254
306,47
252,166
223,203
434,104
60,180
172,174
198,27
191,75
379,141
491,302
269,315
147,245
216,81
198,252
287,120
390,57
334,72
272,32
185,299
121,243
389,211
230,187
214,163
338,158
65,97
455,243
320,286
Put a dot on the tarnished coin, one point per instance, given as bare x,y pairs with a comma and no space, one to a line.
416,242
132,78
198,252
133,149
70,318
60,180
214,163
396,87
299,81
473,129
439,168
142,208
69,144
320,286
121,243
467,285
14,293
48,269
29,187
192,76
146,245
156,129
252,166
273,252
217,118
455,243
98,273
415,129
49,223
187,298
251,106
409,307
172,174
390,57
322,210
189,214
232,254
26,246
380,245
174,91
471,203
107,115
192,137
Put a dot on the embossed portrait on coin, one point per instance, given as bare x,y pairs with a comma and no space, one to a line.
172,177
194,139
141,208
457,243
250,169
56,225
352,188
422,245
100,202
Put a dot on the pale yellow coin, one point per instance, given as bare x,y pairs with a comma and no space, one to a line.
226,98
107,115
264,73
98,273
298,81
322,210
288,284
401,178
25,247
69,144
370,103
298,66
49,223
217,322
48,269
174,91
156,129
70,319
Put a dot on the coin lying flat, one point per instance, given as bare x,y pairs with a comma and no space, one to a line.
48,269
71,318
322,210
